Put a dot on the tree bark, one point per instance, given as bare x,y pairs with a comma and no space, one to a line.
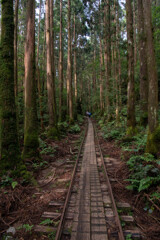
131,122
107,54
9,149
38,70
50,79
31,143
135,34
69,67
101,76
53,59
61,66
75,68
15,47
143,65
152,70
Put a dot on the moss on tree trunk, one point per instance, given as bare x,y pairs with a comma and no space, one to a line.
153,141
10,154
31,121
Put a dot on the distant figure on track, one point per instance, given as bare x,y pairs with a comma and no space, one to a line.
88,114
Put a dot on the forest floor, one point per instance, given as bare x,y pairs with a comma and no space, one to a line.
149,223
23,206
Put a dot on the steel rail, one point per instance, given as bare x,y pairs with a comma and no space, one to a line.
60,226
120,232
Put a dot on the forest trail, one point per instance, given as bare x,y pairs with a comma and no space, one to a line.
89,219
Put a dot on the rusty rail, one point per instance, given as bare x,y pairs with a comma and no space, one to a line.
120,232
60,226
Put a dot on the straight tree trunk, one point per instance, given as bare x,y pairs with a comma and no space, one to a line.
31,143
153,142
9,149
101,77
135,32
69,67
131,122
60,66
50,79
107,54
75,68
116,61
119,60
143,65
37,68
15,47
52,59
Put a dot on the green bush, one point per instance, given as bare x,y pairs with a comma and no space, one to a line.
74,129
143,172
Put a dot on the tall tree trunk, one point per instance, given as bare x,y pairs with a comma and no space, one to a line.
50,79
15,47
119,60
69,67
135,32
31,143
9,149
52,59
143,65
153,142
101,77
37,68
107,55
60,67
116,60
75,68
131,122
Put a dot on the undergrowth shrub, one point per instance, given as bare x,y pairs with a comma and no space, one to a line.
144,172
74,129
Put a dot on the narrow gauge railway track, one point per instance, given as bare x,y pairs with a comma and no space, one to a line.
90,211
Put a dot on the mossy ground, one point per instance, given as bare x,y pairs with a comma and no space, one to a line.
131,131
53,133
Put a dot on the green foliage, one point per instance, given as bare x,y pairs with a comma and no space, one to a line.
6,181
75,129
27,227
52,235
14,184
113,132
129,237
46,149
47,221
143,173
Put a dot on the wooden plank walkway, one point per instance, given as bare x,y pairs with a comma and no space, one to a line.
89,217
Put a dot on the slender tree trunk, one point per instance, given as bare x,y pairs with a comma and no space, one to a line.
135,34
60,66
101,77
9,149
37,68
69,67
31,143
15,47
50,79
131,122
107,54
143,65
119,60
115,53
75,68
153,142
52,59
